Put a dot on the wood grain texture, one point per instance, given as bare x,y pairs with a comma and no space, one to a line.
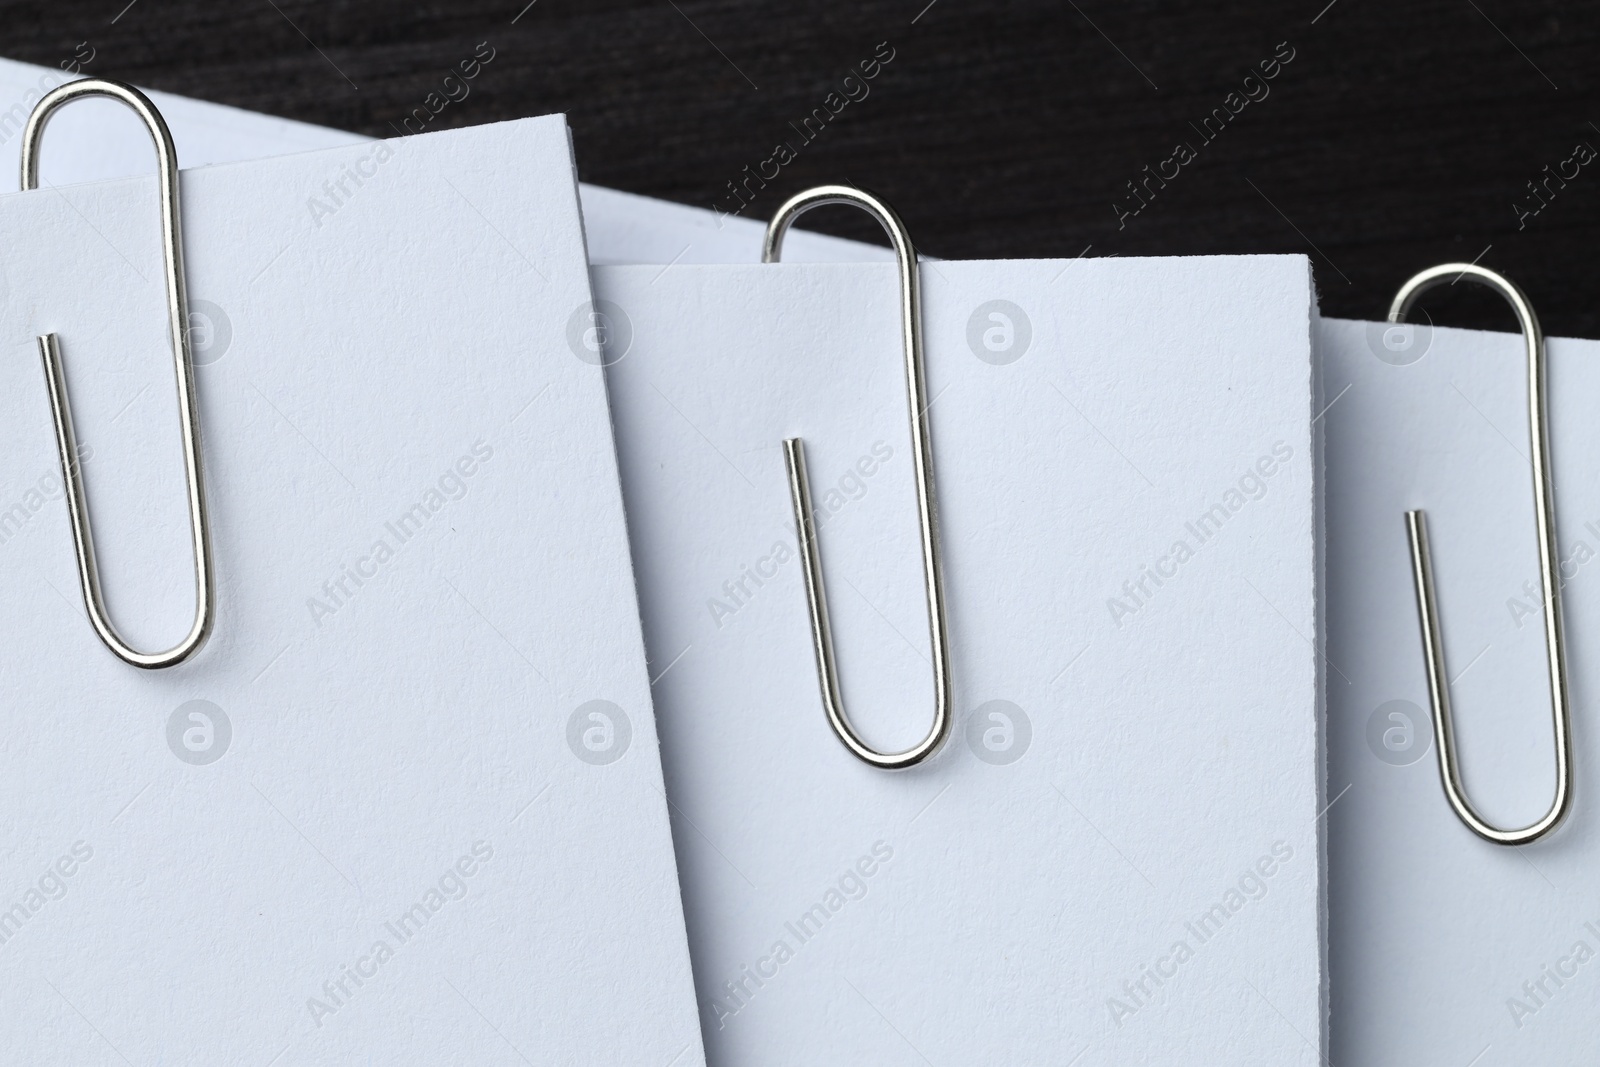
1400,135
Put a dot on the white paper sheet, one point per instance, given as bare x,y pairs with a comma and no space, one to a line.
379,818
1118,782
97,140
1444,947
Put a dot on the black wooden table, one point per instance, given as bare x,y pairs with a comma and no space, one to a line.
1378,138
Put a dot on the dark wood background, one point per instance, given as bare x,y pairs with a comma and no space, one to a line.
1401,135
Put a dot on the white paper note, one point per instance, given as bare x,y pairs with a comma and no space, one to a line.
406,805
95,140
1445,947
1115,858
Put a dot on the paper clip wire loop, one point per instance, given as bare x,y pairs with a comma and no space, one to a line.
178,317
1422,572
922,452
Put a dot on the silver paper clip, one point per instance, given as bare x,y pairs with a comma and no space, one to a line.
178,316
922,453
1544,516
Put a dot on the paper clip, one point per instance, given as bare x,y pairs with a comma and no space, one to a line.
800,488
178,315
1422,572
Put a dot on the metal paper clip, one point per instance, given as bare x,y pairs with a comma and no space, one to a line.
922,453
1544,516
178,316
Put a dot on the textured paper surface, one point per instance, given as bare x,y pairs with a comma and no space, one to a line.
1005,902
1445,947
95,140
423,582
